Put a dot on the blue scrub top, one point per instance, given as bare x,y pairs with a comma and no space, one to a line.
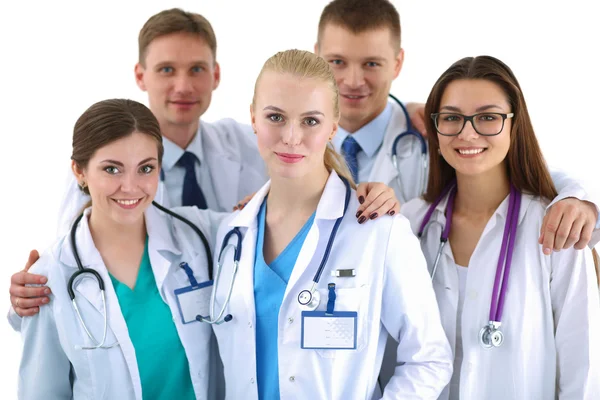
270,282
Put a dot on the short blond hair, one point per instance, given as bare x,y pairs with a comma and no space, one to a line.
304,64
172,21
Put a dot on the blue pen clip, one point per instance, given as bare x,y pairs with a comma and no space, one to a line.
330,299
189,273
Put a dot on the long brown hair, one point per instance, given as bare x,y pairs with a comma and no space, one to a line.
526,166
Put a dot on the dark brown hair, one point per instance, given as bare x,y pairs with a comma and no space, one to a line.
171,21
108,121
525,164
526,167
359,16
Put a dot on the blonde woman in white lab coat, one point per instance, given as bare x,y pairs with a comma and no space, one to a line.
273,347
490,161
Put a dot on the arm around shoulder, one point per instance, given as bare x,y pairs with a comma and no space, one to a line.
44,370
410,314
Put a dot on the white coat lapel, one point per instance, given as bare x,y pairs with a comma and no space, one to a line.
86,284
162,248
224,169
330,208
247,221
89,290
383,169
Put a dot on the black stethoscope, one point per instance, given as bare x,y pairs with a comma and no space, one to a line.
410,131
308,299
81,270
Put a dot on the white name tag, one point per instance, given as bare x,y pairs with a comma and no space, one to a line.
193,301
325,331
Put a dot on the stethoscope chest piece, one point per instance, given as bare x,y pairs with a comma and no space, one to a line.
491,336
309,300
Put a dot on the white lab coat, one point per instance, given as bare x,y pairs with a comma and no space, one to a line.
391,292
410,160
550,319
230,155
52,366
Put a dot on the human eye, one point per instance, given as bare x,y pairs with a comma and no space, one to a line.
336,62
197,69
488,117
451,117
112,170
147,169
310,121
166,70
372,64
275,117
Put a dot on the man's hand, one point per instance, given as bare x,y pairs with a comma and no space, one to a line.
568,222
26,300
416,112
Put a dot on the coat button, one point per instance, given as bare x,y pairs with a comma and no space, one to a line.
290,320
249,324
292,378
251,380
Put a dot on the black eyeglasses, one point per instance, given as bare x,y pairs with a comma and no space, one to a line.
485,124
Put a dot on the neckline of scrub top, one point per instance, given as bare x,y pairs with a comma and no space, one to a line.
281,268
144,281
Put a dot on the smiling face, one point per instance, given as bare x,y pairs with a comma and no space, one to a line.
179,74
470,153
294,118
365,65
122,178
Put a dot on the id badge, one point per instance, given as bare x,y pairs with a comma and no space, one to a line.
193,301
335,331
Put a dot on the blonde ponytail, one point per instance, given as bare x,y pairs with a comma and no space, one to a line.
334,161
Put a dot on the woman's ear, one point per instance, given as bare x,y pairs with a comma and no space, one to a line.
252,118
78,172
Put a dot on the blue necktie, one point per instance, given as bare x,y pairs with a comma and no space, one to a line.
350,149
192,194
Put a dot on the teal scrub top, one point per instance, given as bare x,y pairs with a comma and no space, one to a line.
270,282
161,359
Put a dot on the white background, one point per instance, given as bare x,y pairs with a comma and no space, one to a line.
58,58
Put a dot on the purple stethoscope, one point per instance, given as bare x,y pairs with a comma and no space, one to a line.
490,335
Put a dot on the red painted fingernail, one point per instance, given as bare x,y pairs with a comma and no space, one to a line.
362,219
358,214
392,212
373,216
361,199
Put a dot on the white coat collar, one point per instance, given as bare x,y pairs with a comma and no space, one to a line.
383,168
499,215
329,206
162,250
157,225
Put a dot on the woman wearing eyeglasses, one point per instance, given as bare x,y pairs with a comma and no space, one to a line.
519,322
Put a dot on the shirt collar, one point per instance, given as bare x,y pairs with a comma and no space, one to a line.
369,137
173,152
